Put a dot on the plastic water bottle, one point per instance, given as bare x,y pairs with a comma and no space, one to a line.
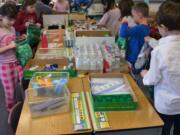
44,40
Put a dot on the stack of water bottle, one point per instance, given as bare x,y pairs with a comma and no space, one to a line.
104,57
88,57
111,55
69,39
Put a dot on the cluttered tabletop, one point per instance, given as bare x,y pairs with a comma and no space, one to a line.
79,83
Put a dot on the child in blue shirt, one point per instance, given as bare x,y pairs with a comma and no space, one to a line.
79,4
136,34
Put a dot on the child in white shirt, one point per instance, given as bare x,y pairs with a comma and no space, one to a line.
164,72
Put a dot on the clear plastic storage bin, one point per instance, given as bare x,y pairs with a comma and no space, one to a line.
52,53
49,83
43,106
46,99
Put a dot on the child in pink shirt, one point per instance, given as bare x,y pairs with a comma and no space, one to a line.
61,6
111,17
10,70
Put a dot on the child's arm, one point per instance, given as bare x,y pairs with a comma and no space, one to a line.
153,76
8,47
55,6
151,41
126,32
104,20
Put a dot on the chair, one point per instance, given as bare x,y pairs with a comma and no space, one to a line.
14,116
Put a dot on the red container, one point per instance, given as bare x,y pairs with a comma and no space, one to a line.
44,41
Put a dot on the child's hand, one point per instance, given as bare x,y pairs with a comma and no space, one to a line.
12,45
130,66
124,20
24,36
147,39
143,73
27,24
38,25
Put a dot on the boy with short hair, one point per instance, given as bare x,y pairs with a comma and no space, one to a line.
135,35
164,72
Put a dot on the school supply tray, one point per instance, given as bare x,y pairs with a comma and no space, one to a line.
52,53
37,65
112,93
48,94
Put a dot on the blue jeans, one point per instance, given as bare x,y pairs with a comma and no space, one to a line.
169,121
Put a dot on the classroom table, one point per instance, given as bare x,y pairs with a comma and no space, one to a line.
50,125
143,121
124,67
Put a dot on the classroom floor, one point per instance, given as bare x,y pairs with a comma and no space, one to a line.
4,127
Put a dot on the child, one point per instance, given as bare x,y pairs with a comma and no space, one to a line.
136,34
26,17
61,6
125,7
81,4
111,17
164,72
10,70
42,7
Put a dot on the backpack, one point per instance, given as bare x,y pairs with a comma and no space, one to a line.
143,57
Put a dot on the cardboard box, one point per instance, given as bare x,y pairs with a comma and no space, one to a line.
55,36
124,67
92,33
94,40
55,19
87,72
77,16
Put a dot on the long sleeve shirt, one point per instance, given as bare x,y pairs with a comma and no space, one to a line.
111,20
164,74
6,37
22,18
135,36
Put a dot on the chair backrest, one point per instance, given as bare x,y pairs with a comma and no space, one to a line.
14,116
